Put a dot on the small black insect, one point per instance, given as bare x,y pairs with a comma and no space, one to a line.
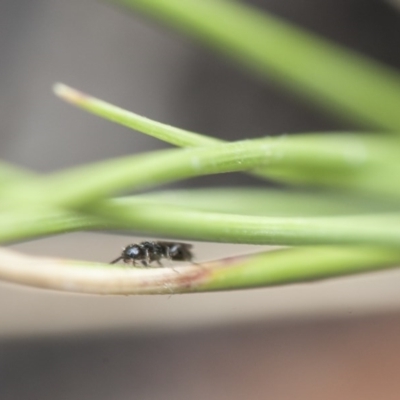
147,252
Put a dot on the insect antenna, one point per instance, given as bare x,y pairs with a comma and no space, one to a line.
116,260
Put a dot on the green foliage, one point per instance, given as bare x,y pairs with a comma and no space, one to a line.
338,80
342,190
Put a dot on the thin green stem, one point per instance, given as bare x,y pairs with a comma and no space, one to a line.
333,78
268,201
300,265
167,133
349,146
381,229
319,158
262,269
139,215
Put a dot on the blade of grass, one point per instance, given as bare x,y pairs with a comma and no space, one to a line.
380,229
333,78
299,265
319,157
263,269
35,222
354,163
272,202
180,137
140,216
38,221
167,133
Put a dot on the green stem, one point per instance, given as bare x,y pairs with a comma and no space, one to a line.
300,265
160,219
200,225
357,149
338,80
261,269
319,158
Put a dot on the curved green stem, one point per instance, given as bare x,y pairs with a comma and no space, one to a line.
332,77
312,159
261,269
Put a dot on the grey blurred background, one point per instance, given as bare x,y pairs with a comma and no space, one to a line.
312,341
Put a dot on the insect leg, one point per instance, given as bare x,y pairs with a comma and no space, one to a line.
116,260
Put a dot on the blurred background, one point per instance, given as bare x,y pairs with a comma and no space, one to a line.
312,341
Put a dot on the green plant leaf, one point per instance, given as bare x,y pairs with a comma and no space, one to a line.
296,265
160,217
318,160
266,201
167,133
379,229
333,78
346,145
261,269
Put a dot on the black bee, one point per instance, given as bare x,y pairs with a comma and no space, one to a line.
147,252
